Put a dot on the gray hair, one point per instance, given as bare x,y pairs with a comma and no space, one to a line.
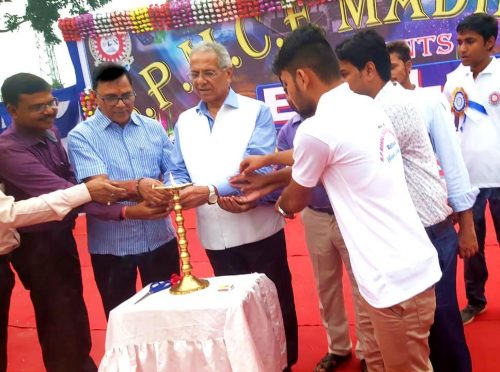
224,60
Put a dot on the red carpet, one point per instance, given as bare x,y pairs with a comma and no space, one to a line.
482,334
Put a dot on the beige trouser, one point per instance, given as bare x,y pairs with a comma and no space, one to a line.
327,252
396,338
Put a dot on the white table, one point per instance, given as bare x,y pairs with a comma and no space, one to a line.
239,330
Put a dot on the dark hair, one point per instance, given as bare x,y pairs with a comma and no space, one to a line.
401,48
307,47
109,71
22,83
484,24
366,46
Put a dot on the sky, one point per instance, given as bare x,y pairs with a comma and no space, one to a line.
19,51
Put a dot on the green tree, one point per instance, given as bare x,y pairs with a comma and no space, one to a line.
42,14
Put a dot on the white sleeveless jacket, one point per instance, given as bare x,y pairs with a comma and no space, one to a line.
212,157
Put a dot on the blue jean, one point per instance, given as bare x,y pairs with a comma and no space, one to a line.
475,270
448,348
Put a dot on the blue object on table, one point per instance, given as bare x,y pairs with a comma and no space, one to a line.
154,288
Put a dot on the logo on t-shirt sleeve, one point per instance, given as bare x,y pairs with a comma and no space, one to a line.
389,147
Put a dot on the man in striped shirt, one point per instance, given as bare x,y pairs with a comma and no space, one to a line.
119,144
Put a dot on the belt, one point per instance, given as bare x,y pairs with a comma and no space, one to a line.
439,227
327,210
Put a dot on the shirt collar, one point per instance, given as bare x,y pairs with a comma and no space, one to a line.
29,141
296,120
103,121
490,69
231,100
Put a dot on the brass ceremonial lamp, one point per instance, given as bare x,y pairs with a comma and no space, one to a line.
189,283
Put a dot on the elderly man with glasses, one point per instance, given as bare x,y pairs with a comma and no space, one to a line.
211,139
134,151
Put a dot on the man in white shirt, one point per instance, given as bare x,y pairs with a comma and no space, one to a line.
49,207
365,65
473,91
354,153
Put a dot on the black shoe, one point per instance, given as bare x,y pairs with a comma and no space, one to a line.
470,312
331,361
364,367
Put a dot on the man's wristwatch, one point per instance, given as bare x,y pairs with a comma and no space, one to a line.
212,195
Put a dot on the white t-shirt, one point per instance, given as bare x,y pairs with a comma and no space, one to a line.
480,132
354,153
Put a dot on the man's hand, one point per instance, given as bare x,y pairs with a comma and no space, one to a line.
467,240
143,211
194,196
234,204
254,162
467,243
249,182
105,191
152,196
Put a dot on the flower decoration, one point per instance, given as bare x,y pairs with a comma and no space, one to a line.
175,279
88,103
171,14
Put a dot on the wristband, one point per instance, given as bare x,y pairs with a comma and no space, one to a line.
123,215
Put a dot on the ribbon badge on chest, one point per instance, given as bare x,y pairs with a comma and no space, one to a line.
459,102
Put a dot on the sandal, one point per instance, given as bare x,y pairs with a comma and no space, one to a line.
330,362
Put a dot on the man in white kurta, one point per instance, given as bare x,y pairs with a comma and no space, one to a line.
211,139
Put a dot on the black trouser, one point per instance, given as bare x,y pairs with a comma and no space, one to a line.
475,269
6,285
116,276
49,267
267,256
448,348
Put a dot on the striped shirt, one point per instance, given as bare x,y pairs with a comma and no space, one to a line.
140,149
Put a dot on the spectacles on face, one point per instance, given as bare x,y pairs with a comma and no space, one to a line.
113,100
40,108
207,75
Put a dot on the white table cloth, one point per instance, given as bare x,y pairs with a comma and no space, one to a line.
238,330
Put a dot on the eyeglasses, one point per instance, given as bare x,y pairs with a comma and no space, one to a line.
44,106
113,100
207,75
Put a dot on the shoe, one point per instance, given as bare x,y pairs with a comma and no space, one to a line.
469,312
330,362
364,367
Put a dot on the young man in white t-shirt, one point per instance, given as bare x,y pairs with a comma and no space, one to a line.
354,153
473,91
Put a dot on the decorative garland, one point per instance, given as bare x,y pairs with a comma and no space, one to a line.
88,103
173,14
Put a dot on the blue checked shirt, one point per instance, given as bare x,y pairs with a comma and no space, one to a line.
139,149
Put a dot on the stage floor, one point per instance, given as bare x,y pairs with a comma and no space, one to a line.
482,335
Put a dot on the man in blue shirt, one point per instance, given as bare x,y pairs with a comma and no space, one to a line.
119,144
211,139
